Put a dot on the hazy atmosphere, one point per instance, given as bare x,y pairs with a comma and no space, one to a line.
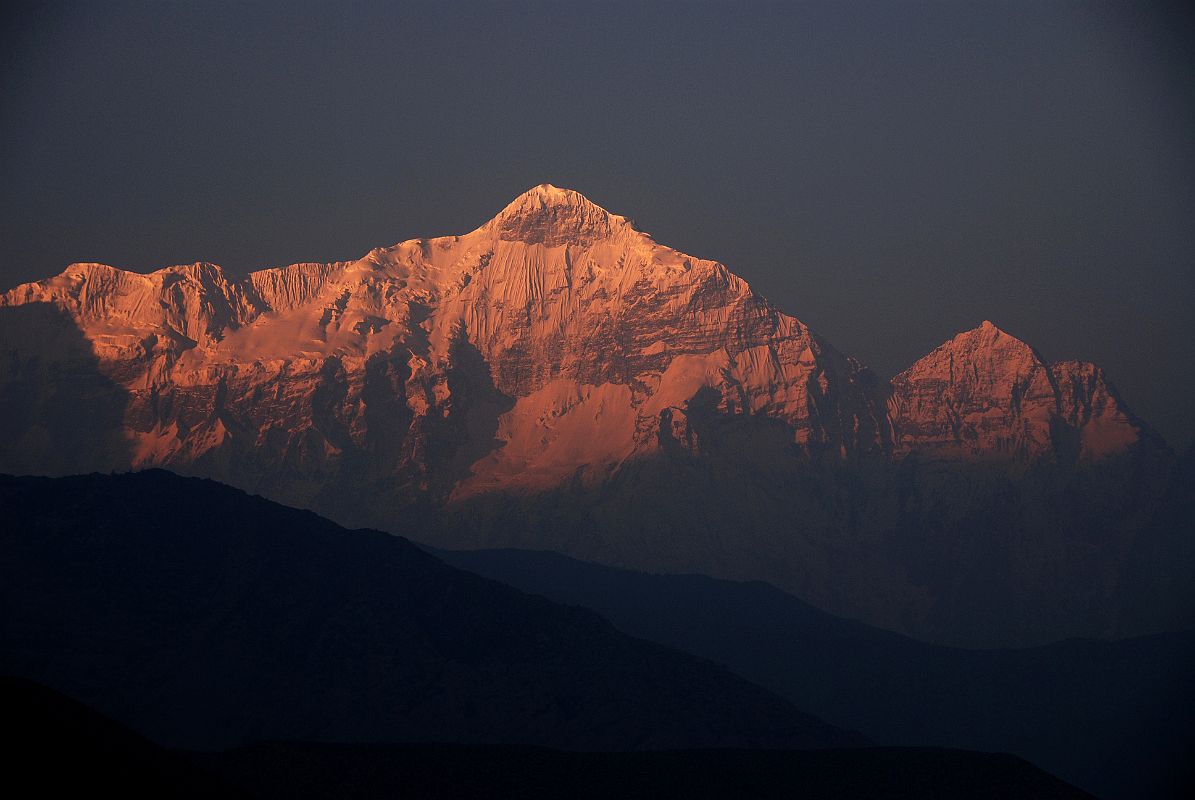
890,173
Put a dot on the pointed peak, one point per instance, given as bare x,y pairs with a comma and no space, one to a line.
988,332
985,327
545,195
552,216
984,350
991,340
555,194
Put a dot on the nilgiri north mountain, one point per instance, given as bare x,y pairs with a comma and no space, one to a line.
557,380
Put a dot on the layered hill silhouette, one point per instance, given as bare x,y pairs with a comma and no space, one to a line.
205,618
65,748
557,379
1116,718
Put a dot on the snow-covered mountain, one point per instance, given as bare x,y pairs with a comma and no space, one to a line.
556,350
596,337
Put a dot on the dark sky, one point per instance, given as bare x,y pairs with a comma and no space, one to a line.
890,173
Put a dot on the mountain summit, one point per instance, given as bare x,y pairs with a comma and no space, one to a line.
987,394
552,217
553,351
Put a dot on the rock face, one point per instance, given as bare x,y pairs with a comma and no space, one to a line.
554,358
985,394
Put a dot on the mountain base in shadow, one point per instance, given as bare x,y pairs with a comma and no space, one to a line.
65,748
1117,718
311,771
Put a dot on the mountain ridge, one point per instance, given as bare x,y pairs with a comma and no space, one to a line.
421,294
1064,706
554,377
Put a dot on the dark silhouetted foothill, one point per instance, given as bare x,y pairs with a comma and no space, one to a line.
204,617
58,747
1064,706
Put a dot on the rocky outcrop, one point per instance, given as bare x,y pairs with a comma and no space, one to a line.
988,395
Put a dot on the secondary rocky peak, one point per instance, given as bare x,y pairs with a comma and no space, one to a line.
552,216
986,393
983,393
982,356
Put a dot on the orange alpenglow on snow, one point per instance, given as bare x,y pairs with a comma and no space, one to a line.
586,339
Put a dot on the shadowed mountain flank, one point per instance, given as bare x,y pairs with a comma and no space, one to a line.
60,410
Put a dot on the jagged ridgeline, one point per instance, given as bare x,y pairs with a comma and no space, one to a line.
556,379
